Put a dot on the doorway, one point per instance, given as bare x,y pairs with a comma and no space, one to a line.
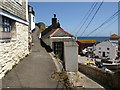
103,54
58,48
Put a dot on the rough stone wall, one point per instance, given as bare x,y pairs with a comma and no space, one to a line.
12,51
14,8
110,79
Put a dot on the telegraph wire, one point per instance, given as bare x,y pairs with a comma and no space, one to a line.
92,9
87,15
110,24
92,18
110,18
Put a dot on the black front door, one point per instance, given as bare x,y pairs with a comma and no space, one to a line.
103,54
58,48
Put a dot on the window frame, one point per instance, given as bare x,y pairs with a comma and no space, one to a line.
99,51
6,24
99,48
6,31
108,48
108,52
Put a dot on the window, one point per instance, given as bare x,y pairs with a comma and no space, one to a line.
6,24
7,28
99,48
108,48
99,51
108,52
33,19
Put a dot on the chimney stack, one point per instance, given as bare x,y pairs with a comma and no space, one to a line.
54,21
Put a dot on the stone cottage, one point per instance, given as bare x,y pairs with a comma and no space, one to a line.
13,33
62,43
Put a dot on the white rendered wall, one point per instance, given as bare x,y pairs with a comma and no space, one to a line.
32,21
71,56
112,52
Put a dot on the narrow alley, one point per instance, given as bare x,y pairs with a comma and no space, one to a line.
34,71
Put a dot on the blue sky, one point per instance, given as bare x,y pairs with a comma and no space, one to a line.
70,15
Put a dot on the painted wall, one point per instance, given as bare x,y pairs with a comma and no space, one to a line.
71,56
70,52
31,21
112,51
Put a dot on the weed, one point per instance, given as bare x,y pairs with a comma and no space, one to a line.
7,72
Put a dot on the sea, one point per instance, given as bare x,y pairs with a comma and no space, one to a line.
100,39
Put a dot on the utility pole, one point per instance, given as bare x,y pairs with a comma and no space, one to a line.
119,48
119,30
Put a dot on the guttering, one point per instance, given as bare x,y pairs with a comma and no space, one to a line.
4,13
61,37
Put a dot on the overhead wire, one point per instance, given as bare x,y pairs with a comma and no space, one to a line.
109,25
109,19
92,18
86,15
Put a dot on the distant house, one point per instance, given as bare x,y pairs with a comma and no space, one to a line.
62,43
114,38
88,51
31,14
13,33
84,44
106,49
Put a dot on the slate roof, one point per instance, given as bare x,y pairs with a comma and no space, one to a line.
106,43
59,32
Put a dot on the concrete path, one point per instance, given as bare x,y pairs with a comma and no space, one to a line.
34,71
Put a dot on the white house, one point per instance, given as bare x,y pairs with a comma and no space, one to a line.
88,51
106,49
31,18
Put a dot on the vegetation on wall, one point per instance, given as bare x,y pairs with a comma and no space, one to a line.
41,25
